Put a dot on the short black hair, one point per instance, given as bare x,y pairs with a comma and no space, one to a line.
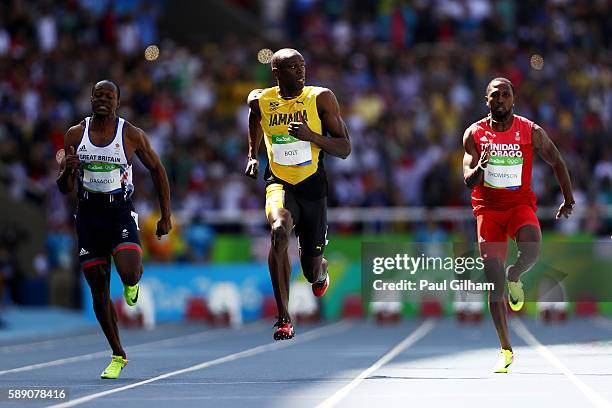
504,80
110,82
283,54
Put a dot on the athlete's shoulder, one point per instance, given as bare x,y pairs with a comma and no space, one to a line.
74,136
260,93
525,121
537,134
257,95
325,97
254,95
321,91
74,133
317,90
472,130
132,131
476,126
481,124
79,127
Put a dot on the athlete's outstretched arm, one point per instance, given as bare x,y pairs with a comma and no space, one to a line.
473,166
550,154
255,134
338,144
151,161
70,162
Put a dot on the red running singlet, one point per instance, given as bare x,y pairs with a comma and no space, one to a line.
507,177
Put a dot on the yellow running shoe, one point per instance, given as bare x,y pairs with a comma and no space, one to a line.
114,368
516,295
130,293
506,357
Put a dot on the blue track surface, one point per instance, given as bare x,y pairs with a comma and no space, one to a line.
440,364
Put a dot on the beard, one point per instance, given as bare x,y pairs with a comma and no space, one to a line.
294,86
500,115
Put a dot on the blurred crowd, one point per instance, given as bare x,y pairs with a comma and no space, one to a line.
410,76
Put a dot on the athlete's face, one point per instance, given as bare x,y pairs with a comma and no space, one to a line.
291,72
500,100
104,99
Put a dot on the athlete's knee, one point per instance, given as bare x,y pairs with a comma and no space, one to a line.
129,264
97,276
529,243
312,267
129,272
280,237
283,217
281,228
529,234
528,255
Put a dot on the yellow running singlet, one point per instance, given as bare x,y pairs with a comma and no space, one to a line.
290,159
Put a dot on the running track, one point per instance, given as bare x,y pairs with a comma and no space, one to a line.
423,363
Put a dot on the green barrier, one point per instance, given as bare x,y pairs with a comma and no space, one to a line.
344,256
605,308
229,248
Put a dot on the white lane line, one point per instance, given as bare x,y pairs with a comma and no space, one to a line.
46,344
412,338
596,399
91,356
61,361
310,335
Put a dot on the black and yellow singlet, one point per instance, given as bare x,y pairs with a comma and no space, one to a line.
295,163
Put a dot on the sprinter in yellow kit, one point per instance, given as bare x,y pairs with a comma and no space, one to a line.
298,124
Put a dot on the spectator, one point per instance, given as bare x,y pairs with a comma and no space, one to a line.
408,78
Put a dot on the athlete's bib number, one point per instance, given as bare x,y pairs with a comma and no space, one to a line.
289,151
504,172
101,177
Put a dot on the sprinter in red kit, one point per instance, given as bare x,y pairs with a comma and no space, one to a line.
497,166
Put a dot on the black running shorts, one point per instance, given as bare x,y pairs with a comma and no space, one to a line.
104,228
309,217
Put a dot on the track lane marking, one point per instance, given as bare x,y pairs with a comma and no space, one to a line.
309,335
593,396
90,356
412,338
